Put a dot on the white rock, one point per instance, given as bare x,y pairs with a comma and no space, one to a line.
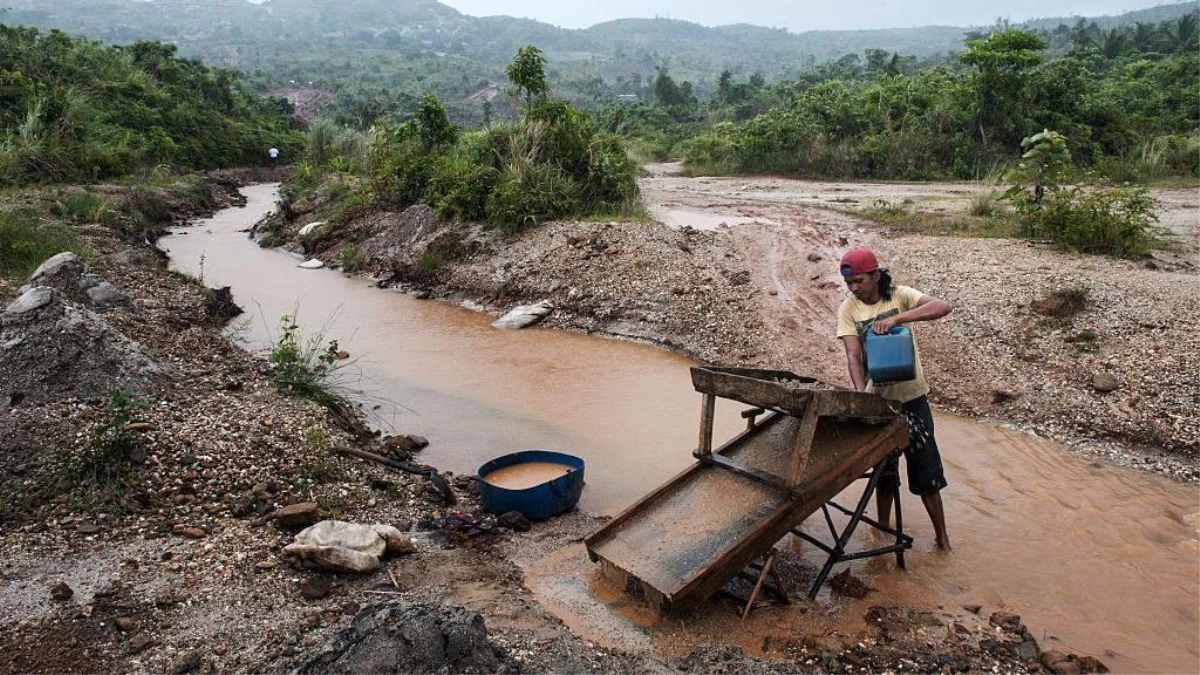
33,299
309,228
524,316
312,264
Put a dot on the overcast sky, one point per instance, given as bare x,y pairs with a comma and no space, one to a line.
799,15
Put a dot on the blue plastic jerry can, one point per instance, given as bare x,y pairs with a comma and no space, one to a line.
891,356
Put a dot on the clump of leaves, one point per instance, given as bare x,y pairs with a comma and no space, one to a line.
1063,303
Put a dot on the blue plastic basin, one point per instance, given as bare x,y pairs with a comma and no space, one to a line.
891,357
540,501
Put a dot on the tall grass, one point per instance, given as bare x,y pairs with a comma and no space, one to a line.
26,241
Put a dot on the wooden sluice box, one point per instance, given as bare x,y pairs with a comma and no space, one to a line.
722,516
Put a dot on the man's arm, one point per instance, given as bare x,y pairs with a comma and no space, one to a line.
854,361
928,308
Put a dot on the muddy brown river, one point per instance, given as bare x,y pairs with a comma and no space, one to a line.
1098,560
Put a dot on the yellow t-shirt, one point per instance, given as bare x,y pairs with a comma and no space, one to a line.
856,318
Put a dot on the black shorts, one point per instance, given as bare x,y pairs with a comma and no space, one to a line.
925,475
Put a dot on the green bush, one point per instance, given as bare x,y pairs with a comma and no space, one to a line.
528,194
1117,222
77,110
352,259
26,242
459,188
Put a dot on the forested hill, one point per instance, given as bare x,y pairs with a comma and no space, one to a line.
77,110
266,36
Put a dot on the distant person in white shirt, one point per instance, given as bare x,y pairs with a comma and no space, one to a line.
274,153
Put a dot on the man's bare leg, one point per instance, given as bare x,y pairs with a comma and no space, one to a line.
885,495
933,505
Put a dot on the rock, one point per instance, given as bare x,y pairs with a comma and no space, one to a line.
189,532
351,608
525,315
104,295
88,528
405,444
314,588
69,275
57,266
406,638
423,294
1000,396
814,257
1006,620
845,583
1104,383
346,547
61,592
311,264
514,520
30,301
296,516
219,306
1027,650
138,643
124,624
310,228
1066,667
974,609
1051,657
64,351
1089,664
186,663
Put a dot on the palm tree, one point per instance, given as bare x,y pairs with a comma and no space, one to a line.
1112,43
1144,37
1184,34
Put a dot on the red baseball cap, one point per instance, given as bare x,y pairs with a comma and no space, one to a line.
859,261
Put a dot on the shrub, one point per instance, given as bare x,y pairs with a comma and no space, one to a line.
529,194
983,202
306,368
1062,303
352,259
459,187
1117,222
25,242
83,206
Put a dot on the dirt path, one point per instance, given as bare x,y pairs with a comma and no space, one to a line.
676,199
999,355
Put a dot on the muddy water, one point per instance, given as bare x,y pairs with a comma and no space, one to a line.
443,372
527,475
1097,560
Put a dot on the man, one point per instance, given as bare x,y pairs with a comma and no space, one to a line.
274,154
880,306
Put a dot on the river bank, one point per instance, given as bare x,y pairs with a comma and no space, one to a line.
1078,349
180,568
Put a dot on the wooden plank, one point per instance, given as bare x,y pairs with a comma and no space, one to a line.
740,468
666,488
770,530
802,446
707,411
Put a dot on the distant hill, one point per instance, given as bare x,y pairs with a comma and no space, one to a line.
424,45
1150,15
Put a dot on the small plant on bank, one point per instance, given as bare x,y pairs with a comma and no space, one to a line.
352,259
310,369
110,451
26,240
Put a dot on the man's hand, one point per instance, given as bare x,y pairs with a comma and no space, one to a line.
882,326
